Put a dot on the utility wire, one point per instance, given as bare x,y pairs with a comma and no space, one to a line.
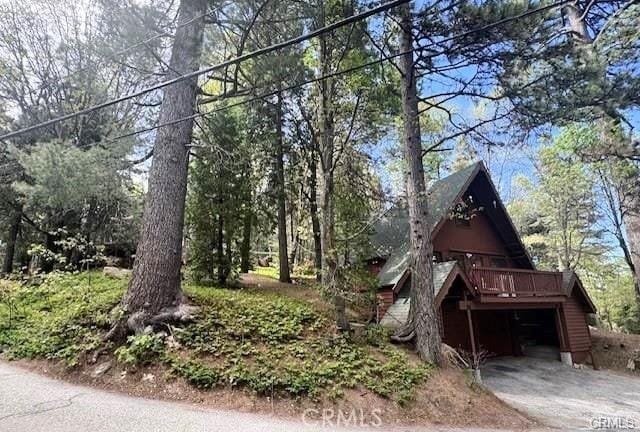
340,72
130,48
236,60
260,96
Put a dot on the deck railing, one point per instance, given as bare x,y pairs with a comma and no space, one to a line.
503,282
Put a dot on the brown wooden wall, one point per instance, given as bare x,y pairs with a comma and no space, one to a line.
576,328
385,299
455,327
479,238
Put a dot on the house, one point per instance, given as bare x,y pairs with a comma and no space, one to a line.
489,295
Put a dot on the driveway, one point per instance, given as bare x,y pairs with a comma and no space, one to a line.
34,403
564,397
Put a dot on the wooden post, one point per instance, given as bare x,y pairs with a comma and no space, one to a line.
471,333
560,330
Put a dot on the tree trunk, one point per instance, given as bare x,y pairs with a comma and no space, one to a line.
423,314
283,254
631,221
315,220
155,282
573,14
12,237
50,243
327,143
293,230
222,273
245,248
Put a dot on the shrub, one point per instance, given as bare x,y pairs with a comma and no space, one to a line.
140,349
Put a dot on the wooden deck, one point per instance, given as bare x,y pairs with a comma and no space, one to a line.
507,283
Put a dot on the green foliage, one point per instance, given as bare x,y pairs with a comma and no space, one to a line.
377,335
610,285
558,214
60,318
219,195
59,178
195,372
275,345
140,349
271,272
76,253
266,343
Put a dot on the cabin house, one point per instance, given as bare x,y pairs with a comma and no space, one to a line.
489,294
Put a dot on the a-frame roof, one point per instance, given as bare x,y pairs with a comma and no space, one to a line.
571,281
391,234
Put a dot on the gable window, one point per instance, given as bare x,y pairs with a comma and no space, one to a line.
499,262
462,222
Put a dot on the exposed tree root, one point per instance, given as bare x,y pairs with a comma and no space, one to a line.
405,333
141,321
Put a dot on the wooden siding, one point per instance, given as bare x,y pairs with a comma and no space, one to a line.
455,327
477,238
385,299
575,326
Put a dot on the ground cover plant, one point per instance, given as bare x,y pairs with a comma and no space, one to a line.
264,342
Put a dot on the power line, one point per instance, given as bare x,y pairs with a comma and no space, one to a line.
236,60
130,48
341,72
260,96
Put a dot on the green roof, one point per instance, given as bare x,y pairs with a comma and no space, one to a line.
398,312
391,234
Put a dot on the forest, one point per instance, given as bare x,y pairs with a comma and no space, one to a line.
198,141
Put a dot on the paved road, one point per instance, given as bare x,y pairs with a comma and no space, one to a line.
564,397
33,403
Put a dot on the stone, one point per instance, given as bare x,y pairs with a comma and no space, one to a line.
359,330
631,365
116,273
172,343
101,369
148,377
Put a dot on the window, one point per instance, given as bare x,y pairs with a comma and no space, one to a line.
500,262
463,222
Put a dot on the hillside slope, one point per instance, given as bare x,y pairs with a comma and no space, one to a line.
253,349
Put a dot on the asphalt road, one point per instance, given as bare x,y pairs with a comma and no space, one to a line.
34,403
563,397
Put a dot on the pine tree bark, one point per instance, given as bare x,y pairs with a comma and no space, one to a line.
222,272
327,227
245,247
283,254
315,219
631,221
423,321
11,240
155,282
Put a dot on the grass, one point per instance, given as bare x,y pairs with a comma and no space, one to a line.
268,343
271,272
301,272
